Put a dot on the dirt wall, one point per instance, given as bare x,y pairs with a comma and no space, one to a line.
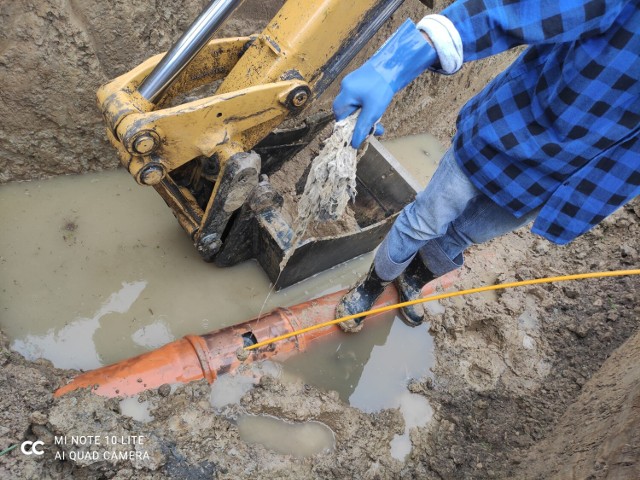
54,54
599,435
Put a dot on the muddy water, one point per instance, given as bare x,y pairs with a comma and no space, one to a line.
370,371
136,409
94,269
419,154
297,439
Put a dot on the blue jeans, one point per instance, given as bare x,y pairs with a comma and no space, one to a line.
448,216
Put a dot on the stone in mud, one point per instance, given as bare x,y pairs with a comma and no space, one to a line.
570,292
39,418
164,390
242,354
628,252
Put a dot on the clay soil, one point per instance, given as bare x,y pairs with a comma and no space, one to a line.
539,382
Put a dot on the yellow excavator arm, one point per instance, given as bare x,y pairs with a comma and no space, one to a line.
203,156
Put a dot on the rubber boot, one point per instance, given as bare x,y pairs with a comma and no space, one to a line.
359,299
409,284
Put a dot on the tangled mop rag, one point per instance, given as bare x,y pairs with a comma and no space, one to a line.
331,181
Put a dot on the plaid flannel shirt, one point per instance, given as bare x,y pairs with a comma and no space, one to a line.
559,129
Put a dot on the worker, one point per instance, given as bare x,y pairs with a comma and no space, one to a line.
554,138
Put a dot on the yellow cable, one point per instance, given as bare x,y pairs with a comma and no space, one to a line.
563,278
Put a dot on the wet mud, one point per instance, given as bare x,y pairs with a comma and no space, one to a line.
511,390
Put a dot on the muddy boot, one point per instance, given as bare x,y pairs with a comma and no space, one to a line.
360,298
409,284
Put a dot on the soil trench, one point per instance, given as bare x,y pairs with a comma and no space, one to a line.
533,383
509,391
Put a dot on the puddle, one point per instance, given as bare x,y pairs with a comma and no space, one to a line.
370,371
417,413
419,154
154,335
297,439
135,409
68,346
228,389
72,246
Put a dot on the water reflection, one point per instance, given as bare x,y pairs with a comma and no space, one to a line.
297,439
69,243
72,346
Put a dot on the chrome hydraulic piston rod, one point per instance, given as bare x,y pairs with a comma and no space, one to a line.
187,47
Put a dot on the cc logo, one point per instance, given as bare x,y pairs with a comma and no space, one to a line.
32,448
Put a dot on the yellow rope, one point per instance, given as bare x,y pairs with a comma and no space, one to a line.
563,278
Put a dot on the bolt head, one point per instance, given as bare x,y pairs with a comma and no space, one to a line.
151,174
146,142
209,239
210,244
300,98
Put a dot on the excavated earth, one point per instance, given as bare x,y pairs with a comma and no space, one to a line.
539,382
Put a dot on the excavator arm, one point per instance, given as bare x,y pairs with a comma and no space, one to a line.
205,155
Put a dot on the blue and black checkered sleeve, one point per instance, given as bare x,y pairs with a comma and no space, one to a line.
488,27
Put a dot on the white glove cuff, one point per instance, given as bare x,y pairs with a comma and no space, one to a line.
446,41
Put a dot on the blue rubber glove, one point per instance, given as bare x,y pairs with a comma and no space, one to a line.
403,57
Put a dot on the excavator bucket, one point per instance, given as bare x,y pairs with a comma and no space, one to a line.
261,231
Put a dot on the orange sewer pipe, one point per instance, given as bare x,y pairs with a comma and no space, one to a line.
206,356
